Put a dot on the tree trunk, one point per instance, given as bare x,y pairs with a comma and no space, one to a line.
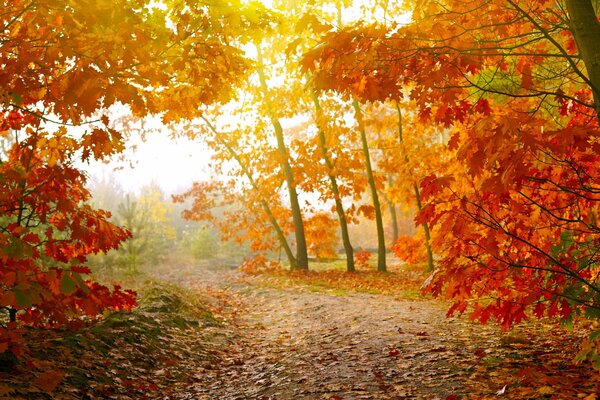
393,214
586,29
425,231
12,314
417,195
301,250
381,264
339,207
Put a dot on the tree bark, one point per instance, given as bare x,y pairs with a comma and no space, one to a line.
339,207
12,314
586,29
393,214
301,249
381,262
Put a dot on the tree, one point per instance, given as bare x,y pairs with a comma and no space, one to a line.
408,152
301,248
334,185
262,116
47,230
252,186
64,64
515,83
147,216
381,249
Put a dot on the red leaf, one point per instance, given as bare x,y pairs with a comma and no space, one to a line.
49,380
483,107
81,269
454,141
526,77
31,238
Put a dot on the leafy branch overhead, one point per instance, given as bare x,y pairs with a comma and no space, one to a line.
64,64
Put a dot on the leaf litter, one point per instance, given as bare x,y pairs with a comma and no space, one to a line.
230,336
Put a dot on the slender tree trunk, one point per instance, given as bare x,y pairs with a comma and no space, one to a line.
586,29
393,214
12,314
278,230
339,207
417,195
301,249
425,231
381,264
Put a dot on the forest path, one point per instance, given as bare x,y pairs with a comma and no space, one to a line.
302,344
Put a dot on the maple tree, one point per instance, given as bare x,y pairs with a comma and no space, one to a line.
381,248
409,151
63,65
263,219
334,184
515,83
301,247
47,231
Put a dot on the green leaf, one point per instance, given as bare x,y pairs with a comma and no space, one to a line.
567,323
591,312
14,248
595,361
67,285
17,99
23,298
566,240
81,283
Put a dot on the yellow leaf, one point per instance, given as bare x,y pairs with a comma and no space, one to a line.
546,390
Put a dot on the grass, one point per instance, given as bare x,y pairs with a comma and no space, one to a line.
166,330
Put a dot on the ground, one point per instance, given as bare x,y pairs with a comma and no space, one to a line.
227,335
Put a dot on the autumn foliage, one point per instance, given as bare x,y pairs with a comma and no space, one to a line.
410,249
481,117
64,64
47,232
515,215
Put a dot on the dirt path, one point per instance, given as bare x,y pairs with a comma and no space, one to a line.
301,344
289,337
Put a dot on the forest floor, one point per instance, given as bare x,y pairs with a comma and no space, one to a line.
227,335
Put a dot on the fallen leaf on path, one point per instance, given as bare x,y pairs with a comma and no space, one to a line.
49,380
546,390
501,391
4,390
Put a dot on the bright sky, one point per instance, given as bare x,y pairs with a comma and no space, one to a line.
173,164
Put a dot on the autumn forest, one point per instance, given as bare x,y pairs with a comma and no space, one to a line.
402,200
